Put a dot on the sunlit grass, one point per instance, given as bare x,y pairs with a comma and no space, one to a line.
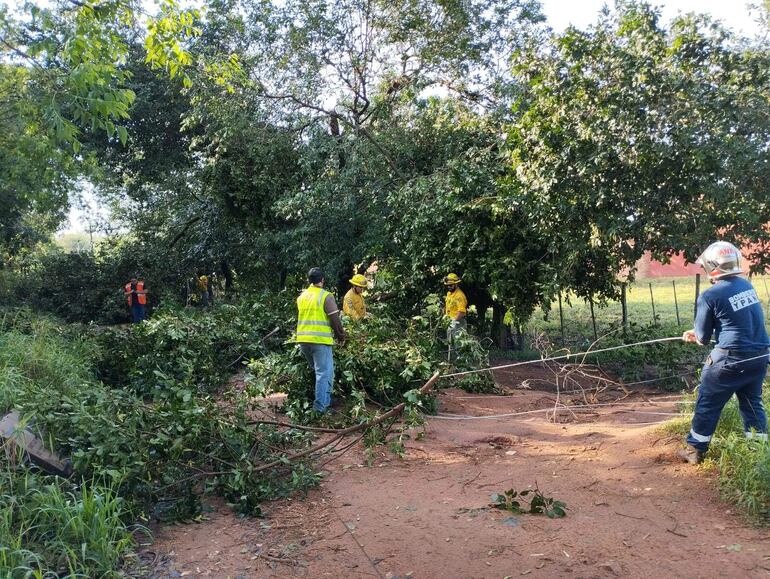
668,294
51,527
743,465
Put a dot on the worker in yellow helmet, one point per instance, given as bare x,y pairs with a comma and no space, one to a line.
353,304
455,307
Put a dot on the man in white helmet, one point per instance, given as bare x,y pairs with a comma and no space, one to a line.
730,310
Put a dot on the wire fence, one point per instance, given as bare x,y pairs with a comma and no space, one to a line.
663,302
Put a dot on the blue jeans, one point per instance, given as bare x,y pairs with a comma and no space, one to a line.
723,375
320,358
137,313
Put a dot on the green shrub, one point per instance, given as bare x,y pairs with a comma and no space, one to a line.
196,349
381,360
158,452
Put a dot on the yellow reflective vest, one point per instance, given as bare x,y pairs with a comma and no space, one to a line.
313,325
353,305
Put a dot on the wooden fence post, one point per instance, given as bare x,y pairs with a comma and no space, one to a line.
652,301
624,307
676,303
561,319
593,317
697,294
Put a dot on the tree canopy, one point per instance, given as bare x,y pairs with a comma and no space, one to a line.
262,138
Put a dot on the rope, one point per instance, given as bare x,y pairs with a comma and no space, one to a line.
562,357
443,416
572,408
600,378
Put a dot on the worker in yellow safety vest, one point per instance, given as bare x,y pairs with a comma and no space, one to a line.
318,323
455,308
353,304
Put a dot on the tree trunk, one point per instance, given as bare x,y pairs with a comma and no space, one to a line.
343,279
519,338
499,329
228,274
482,322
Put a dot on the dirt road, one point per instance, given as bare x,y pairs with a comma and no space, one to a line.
634,511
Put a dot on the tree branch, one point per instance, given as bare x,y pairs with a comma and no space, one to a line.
393,412
187,225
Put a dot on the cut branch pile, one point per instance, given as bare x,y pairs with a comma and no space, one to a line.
338,434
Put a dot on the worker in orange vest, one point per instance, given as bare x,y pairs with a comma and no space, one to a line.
136,296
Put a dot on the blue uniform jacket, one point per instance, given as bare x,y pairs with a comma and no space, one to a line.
732,312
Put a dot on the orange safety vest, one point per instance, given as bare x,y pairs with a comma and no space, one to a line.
141,298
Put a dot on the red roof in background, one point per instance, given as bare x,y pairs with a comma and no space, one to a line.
647,267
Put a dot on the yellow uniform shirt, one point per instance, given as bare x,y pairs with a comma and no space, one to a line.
353,305
456,302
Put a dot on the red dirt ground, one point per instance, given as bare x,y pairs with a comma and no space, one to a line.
634,511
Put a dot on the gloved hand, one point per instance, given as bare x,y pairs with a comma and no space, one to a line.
690,337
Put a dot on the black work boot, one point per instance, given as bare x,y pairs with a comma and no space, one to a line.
691,455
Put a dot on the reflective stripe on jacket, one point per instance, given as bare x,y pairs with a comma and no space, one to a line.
140,298
313,325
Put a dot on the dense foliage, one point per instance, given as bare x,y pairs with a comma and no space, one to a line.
63,76
192,349
632,137
160,456
383,358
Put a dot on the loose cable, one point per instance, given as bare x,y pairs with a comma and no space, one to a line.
561,357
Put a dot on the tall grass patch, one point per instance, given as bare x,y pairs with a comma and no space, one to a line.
50,527
743,465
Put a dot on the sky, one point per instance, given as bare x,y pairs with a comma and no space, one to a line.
580,13
560,14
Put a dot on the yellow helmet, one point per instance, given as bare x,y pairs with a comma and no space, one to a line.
452,279
358,280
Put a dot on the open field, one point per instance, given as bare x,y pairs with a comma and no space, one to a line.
668,295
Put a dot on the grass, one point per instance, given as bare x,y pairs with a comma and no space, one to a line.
50,527
668,294
743,466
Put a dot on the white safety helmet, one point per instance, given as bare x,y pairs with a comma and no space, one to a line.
721,259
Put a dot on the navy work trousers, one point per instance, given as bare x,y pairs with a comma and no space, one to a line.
137,313
726,373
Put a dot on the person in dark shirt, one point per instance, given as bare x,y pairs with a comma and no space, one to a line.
731,311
